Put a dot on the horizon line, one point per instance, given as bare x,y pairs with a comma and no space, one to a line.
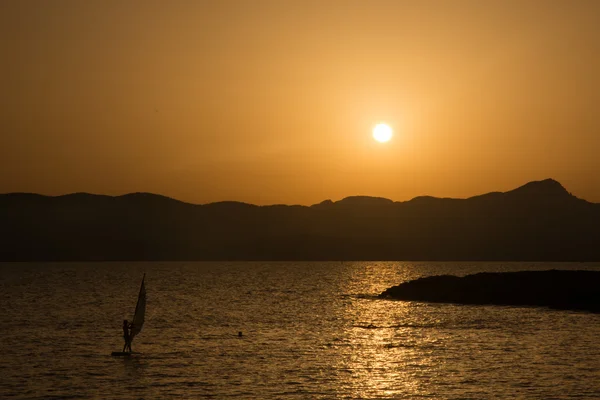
547,180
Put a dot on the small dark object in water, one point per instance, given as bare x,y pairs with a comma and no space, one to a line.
240,334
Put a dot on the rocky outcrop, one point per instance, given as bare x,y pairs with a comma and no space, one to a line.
559,289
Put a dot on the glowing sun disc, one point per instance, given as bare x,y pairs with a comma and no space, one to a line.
382,133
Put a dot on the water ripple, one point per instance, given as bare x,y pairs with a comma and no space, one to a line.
310,330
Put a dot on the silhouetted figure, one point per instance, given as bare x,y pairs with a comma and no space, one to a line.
127,335
240,334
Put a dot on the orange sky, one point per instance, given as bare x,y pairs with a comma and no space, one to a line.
274,101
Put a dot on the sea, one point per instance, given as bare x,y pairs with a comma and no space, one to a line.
309,330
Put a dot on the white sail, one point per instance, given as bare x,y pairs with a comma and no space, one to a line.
140,311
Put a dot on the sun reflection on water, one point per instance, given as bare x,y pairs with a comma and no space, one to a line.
386,352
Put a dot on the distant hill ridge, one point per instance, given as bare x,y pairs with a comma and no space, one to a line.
538,221
547,187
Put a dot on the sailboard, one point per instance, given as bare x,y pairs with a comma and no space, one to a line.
139,316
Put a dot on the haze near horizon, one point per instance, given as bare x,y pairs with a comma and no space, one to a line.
275,102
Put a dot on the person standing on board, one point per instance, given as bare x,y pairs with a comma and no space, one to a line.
127,335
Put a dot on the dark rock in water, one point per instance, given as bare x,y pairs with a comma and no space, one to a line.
559,289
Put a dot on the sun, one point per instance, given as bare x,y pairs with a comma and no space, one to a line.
382,133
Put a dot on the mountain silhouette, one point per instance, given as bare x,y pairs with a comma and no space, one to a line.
540,221
548,188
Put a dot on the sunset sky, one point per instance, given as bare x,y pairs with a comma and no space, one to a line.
275,101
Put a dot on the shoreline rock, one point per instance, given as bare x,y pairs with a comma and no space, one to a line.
557,289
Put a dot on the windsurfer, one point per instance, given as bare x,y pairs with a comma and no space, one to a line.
127,335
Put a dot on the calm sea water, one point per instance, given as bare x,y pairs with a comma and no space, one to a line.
310,330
